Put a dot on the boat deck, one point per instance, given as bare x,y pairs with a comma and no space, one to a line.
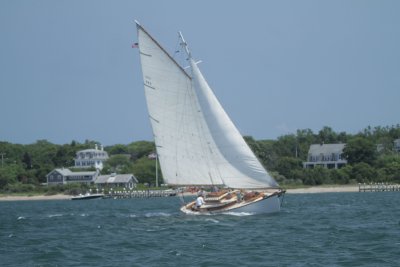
229,200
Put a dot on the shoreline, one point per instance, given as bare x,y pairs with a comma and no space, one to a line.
36,197
306,190
324,189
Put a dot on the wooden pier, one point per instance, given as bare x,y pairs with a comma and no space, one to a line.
140,194
378,187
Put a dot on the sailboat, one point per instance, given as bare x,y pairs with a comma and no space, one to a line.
197,144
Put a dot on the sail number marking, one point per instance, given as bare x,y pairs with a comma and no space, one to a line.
148,84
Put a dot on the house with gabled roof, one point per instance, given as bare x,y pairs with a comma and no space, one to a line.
91,158
116,180
326,155
65,176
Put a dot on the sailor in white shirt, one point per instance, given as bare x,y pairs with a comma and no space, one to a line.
199,201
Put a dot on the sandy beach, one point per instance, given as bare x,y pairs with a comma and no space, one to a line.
324,189
308,190
38,197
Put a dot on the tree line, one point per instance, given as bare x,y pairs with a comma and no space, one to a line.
24,167
370,154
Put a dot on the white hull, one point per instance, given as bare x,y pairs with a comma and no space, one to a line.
87,196
267,205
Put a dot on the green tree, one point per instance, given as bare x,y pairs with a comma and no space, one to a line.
27,160
342,175
255,147
394,131
64,156
118,164
286,165
359,150
286,145
297,176
267,154
304,138
362,172
140,149
317,176
327,135
117,149
145,172
9,174
389,167
392,171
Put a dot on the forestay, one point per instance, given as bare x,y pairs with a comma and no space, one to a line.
196,141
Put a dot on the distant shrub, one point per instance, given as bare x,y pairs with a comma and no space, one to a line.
19,188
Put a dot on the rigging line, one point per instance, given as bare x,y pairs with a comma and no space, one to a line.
203,140
177,48
183,99
181,116
182,123
187,105
181,128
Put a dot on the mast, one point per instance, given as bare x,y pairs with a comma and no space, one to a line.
185,45
205,154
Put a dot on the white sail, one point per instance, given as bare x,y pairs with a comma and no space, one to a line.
196,142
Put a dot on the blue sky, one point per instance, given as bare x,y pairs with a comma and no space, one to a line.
68,72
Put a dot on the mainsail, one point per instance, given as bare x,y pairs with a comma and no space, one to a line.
197,143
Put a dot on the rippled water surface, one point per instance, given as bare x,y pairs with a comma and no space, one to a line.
331,229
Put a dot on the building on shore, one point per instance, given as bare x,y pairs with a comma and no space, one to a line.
65,176
91,158
326,155
116,180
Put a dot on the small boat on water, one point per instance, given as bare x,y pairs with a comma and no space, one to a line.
87,196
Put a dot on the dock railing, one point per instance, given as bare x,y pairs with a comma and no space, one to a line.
377,187
140,193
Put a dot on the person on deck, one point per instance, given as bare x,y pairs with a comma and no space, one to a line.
199,201
239,196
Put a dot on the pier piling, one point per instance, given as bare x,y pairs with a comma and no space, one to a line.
140,193
377,187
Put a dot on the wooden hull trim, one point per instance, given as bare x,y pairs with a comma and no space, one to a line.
263,204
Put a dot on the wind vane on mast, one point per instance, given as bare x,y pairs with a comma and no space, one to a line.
185,45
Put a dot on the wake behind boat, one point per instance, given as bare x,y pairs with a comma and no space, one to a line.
197,143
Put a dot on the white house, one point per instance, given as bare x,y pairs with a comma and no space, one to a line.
326,155
91,158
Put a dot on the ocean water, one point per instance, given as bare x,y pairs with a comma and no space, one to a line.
329,229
